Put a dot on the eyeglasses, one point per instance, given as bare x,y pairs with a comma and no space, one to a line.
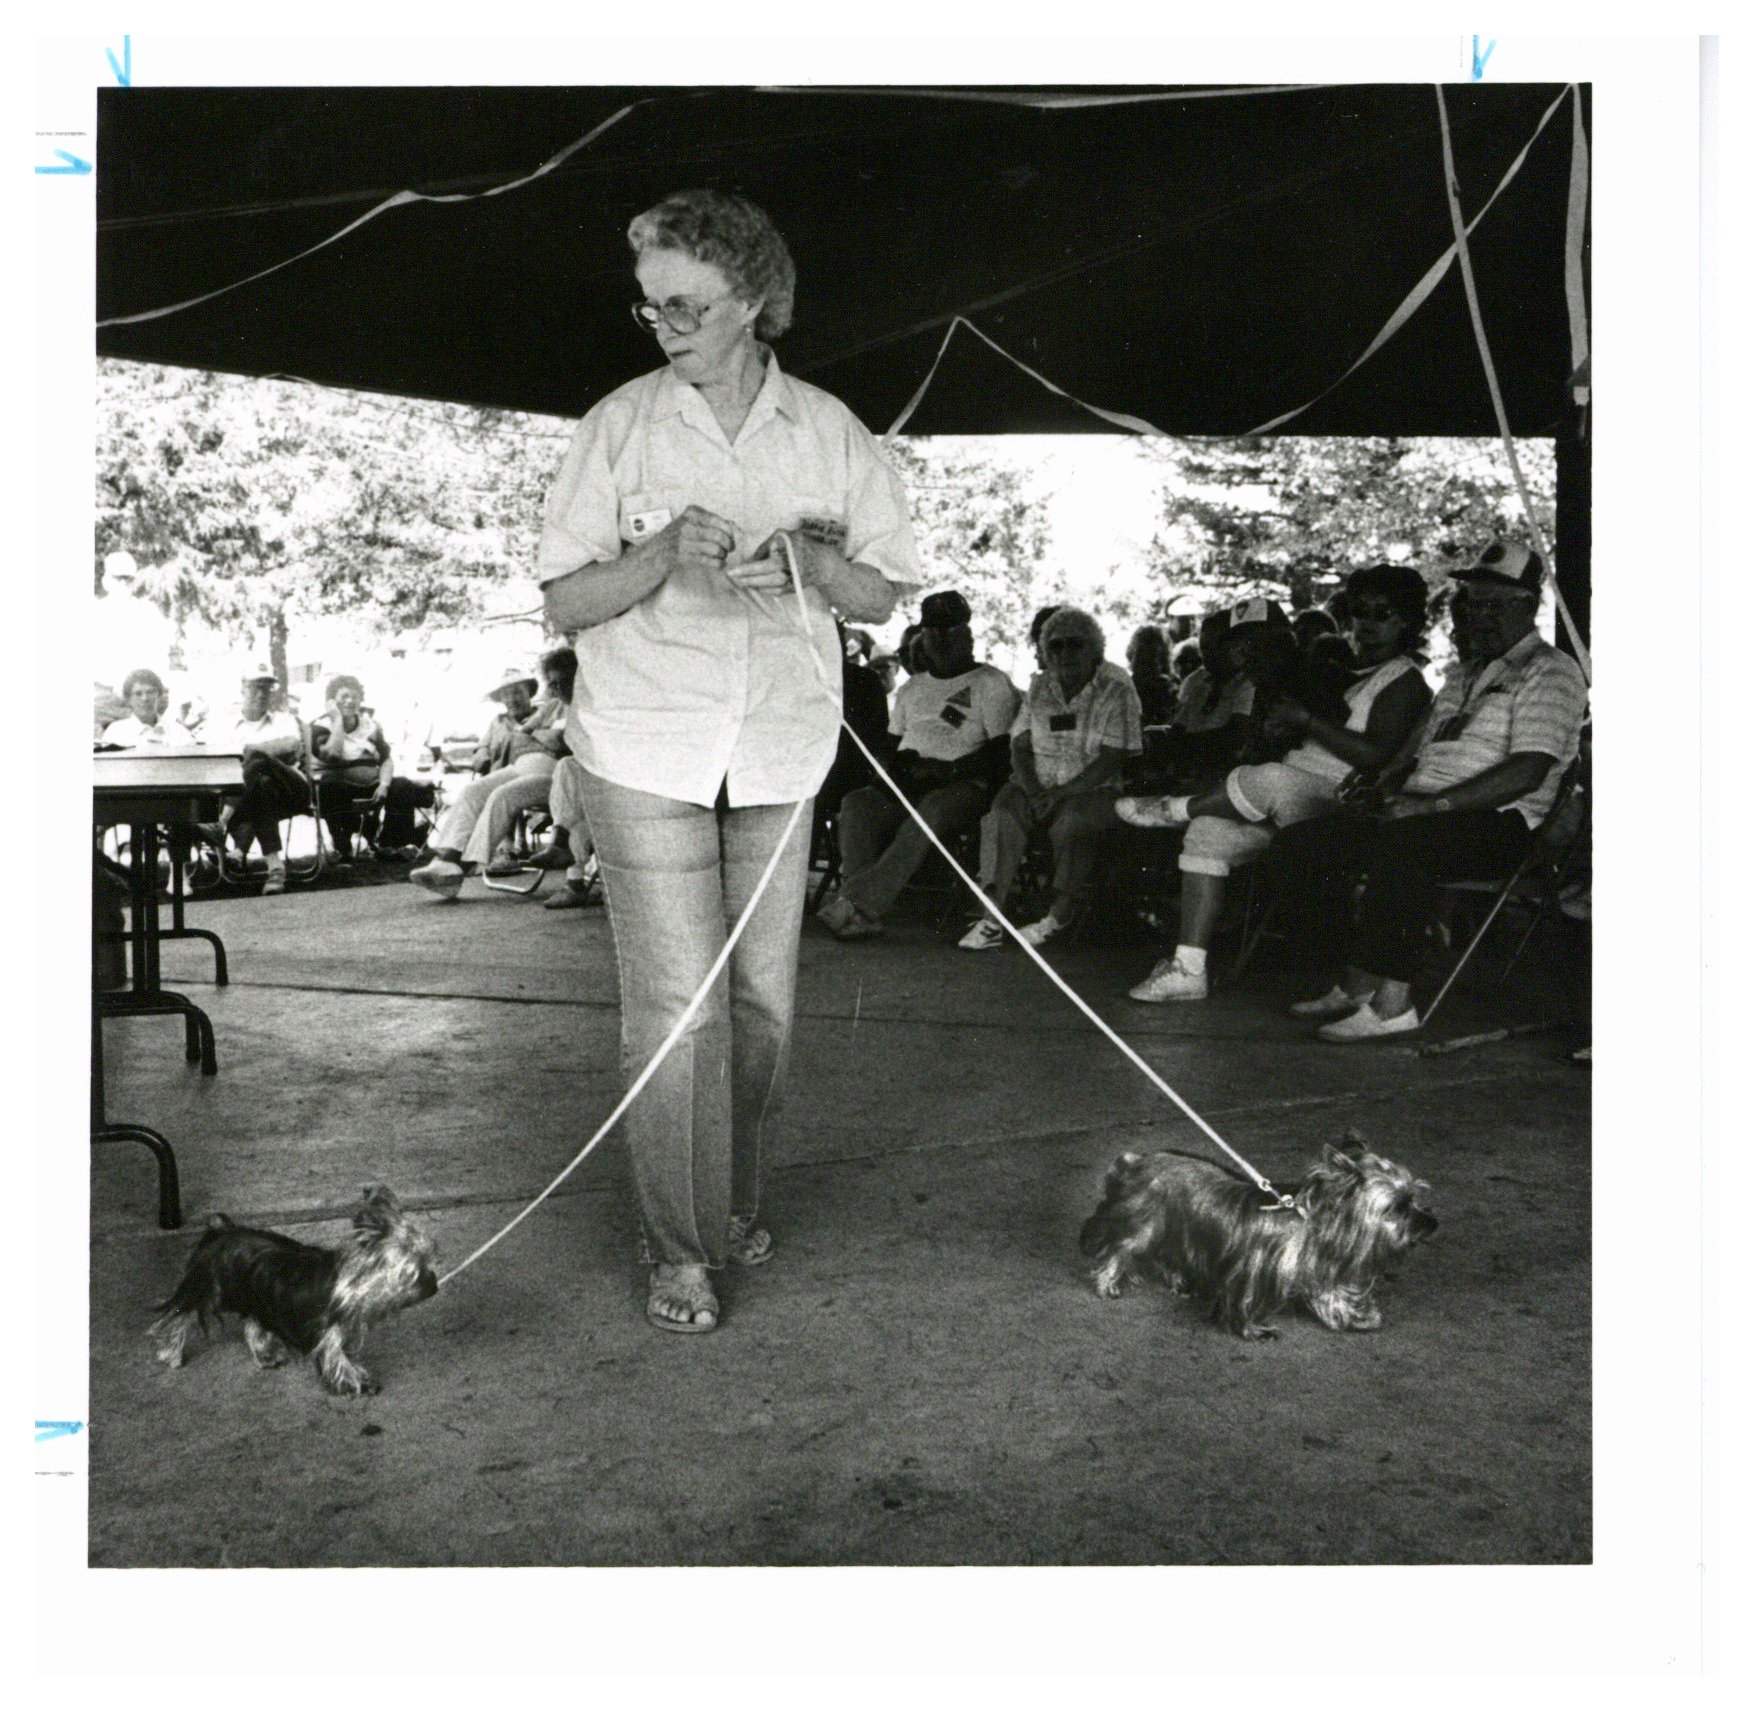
1371,615
676,313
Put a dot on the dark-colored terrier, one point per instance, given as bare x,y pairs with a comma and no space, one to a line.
1210,1233
317,1301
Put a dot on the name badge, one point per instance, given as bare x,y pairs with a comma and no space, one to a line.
830,531
1062,721
644,523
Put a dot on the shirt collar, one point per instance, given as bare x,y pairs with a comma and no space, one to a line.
778,396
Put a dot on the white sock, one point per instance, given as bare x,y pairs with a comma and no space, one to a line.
1191,957
277,863
1178,812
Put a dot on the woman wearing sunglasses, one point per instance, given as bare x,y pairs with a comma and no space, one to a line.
1231,823
707,704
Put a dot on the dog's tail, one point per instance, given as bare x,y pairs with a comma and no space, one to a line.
1108,1223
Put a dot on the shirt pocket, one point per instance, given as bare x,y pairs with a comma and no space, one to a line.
642,515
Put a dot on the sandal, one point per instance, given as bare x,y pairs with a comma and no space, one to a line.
749,1244
697,1297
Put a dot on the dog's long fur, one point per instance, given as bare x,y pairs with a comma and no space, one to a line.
1211,1233
290,1294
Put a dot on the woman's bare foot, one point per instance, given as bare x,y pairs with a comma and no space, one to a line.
681,1299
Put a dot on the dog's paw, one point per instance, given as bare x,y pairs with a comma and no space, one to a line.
1110,1282
1257,1333
172,1358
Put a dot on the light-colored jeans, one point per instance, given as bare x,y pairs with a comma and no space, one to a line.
456,825
676,877
566,802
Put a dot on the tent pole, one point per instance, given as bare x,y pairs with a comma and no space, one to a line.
1571,536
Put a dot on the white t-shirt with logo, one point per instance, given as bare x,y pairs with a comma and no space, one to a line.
948,718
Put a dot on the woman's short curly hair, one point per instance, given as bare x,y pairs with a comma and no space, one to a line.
1401,586
732,234
345,681
142,675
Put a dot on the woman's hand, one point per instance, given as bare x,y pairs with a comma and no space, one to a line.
697,539
381,792
769,573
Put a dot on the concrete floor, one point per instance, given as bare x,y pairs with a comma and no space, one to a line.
923,1375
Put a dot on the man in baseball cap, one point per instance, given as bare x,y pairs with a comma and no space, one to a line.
272,744
1504,564
1501,733
952,726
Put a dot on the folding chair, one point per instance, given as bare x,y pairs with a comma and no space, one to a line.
1537,882
530,873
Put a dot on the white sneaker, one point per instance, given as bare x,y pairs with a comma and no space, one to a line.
1336,1001
1169,981
985,935
1039,932
1152,810
1365,1024
442,878
275,882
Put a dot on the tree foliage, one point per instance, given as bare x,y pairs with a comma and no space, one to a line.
249,503
1290,512
980,528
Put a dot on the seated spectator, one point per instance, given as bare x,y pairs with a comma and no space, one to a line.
951,723
1186,661
275,786
1148,664
865,707
1311,622
907,651
1500,734
145,725
1071,740
566,802
1212,725
887,669
1231,823
356,776
514,763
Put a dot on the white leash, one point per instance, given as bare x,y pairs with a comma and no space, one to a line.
1281,1202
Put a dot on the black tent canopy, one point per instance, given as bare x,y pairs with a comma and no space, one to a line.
1204,262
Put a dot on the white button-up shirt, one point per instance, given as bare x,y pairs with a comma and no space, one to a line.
700,684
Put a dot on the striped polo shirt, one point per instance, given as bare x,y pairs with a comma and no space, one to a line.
1530,700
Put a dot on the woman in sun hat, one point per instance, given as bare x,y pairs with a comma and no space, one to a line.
514,763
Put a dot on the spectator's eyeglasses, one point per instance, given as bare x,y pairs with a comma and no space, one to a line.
1372,615
677,313
1067,644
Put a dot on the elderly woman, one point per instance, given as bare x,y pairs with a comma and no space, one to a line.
1076,731
356,774
1233,821
707,705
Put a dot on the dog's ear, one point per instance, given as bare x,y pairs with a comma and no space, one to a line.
378,1209
1342,1159
1352,1142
